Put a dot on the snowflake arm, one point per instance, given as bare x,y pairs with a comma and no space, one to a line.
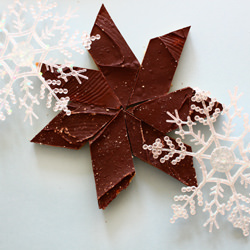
223,160
26,86
30,41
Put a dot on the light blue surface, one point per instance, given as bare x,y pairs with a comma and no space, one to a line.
47,195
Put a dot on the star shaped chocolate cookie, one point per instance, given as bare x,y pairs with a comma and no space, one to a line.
121,107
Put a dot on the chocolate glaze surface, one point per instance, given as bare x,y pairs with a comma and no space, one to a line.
74,131
158,66
114,57
94,90
153,112
111,160
141,133
100,113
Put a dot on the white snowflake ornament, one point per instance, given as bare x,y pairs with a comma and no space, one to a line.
65,72
223,158
31,34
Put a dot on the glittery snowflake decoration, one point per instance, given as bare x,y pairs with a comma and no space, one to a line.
65,72
30,34
223,158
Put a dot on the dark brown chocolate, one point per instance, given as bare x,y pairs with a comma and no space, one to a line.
94,90
52,138
97,116
114,57
141,133
154,112
112,160
74,131
158,66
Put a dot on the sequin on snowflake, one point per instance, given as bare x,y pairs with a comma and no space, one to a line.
224,162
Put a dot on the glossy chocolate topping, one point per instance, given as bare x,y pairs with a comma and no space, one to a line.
97,115
74,131
159,65
94,90
153,112
114,57
141,133
112,160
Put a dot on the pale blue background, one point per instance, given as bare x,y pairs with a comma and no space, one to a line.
47,195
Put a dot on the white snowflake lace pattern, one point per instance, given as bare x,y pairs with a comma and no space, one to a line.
60,103
26,37
228,153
